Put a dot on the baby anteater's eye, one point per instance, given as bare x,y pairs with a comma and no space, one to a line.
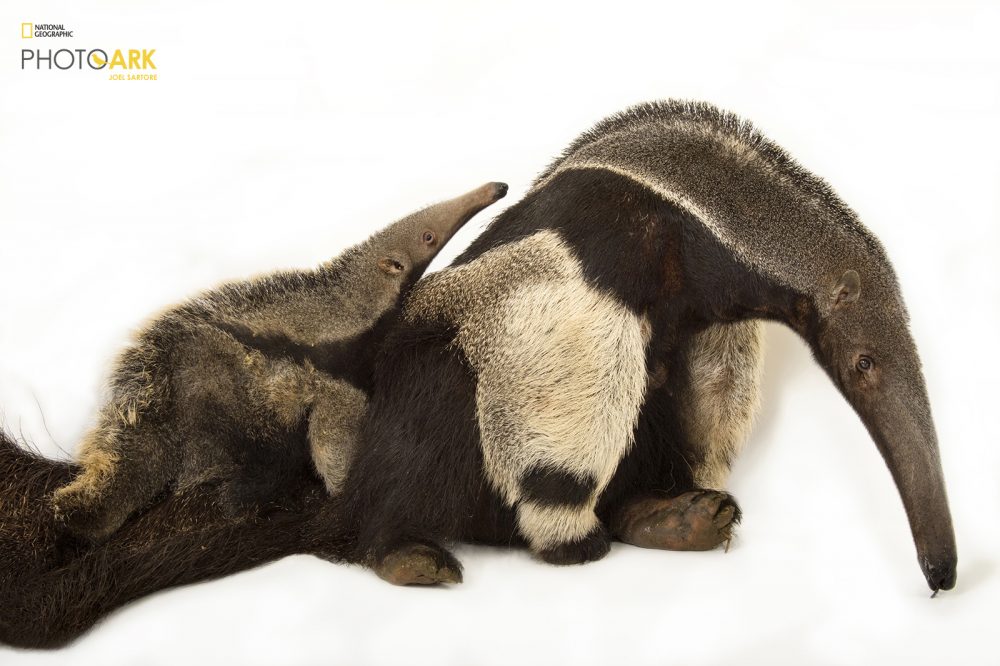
429,237
865,364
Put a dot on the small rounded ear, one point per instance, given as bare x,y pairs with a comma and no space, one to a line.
390,266
848,289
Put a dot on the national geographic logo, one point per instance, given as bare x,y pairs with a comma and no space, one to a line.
30,30
121,65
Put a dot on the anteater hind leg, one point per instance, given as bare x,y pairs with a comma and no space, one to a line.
416,476
121,471
419,564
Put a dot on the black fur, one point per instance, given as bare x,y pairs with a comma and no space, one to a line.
422,447
659,459
593,546
550,486
266,468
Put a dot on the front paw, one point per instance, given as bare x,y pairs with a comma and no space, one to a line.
698,520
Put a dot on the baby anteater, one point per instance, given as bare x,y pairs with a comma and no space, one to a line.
228,386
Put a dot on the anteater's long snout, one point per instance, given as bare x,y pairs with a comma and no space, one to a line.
447,217
904,433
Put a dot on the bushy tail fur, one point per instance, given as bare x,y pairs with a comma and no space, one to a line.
53,590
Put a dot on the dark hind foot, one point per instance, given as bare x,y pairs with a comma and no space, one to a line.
593,546
83,518
419,564
698,520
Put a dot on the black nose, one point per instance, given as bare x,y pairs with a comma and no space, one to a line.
499,189
940,576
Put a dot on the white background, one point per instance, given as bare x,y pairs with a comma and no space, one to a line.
276,136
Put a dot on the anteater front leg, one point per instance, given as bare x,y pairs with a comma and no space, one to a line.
416,475
334,429
558,400
555,514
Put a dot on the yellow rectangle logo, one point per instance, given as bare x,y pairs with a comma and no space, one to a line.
27,30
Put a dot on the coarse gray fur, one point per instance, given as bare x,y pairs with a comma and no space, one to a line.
752,195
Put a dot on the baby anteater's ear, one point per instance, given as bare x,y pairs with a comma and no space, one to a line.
391,266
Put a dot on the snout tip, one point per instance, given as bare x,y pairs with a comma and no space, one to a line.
941,575
499,190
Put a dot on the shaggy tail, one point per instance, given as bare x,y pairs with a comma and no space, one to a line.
52,591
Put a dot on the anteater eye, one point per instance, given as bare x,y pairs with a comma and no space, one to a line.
865,364
429,237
